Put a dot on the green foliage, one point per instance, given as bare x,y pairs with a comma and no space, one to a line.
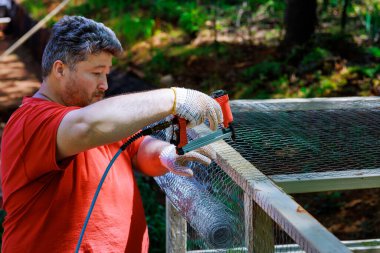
160,63
36,8
271,7
192,19
188,14
167,9
374,51
204,51
372,19
98,4
132,28
367,71
264,70
315,55
95,9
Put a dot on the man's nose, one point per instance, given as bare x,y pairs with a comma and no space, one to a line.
103,83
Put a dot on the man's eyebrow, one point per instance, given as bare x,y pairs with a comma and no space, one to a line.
101,66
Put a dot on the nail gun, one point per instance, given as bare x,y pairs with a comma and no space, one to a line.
180,139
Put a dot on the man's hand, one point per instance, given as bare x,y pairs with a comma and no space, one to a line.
180,164
196,106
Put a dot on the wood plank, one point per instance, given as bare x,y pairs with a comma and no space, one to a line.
328,181
291,217
296,104
356,246
248,222
176,230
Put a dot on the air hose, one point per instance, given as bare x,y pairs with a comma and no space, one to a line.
144,132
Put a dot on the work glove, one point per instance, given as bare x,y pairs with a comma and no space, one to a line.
196,106
180,164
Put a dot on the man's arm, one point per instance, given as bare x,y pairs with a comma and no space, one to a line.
111,120
155,158
147,158
115,118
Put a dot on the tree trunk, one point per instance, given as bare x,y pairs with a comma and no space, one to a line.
343,21
300,21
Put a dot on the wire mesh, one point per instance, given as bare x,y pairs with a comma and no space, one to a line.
208,215
276,139
213,206
213,180
303,141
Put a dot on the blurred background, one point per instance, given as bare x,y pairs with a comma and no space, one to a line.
255,49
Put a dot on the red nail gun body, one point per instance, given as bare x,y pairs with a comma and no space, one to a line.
181,141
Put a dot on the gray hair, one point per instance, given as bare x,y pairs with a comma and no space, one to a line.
74,38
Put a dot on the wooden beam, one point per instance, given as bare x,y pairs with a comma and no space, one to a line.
357,246
328,181
297,104
176,230
248,222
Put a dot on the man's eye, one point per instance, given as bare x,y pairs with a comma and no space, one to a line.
97,74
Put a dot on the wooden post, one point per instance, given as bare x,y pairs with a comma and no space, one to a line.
176,230
259,233
248,221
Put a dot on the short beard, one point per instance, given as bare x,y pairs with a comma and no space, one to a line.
73,96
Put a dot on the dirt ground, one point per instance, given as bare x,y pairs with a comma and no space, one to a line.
349,215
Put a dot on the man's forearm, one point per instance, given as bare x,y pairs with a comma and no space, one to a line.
121,116
147,158
111,120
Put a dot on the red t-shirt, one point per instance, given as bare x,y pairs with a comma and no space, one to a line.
46,202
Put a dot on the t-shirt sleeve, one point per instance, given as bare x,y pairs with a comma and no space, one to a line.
40,138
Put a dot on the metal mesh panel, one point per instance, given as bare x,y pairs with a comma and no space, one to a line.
268,237
277,139
212,217
216,183
301,141
213,206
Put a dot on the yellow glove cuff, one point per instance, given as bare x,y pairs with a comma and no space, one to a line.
175,101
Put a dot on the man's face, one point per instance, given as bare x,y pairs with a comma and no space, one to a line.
88,82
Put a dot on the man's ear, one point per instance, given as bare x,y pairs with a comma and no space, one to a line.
58,69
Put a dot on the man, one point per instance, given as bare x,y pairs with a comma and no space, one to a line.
57,145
